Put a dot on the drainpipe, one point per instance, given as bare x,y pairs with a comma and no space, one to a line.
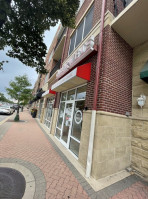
93,117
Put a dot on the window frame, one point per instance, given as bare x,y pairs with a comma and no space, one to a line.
84,19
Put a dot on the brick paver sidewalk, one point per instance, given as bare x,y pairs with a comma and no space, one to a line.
26,141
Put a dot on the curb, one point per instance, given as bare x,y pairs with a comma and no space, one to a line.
34,177
3,121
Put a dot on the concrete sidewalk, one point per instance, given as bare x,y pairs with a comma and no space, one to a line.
26,146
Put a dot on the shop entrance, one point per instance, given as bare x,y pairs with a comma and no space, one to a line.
69,123
48,113
40,108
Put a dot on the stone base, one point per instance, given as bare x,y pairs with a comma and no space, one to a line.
112,143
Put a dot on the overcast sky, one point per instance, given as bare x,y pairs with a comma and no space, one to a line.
16,68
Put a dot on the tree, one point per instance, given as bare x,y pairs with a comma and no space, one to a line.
4,99
20,91
22,26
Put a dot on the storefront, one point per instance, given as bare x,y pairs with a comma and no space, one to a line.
69,123
40,108
49,98
48,112
72,103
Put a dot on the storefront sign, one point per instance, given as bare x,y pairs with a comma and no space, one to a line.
65,79
78,117
48,93
77,76
75,58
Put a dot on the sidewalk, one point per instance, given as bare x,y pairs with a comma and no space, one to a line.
25,144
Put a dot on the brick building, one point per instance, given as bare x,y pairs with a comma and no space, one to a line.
98,72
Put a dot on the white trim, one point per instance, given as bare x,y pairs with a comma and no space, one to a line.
51,102
67,145
75,139
90,145
66,78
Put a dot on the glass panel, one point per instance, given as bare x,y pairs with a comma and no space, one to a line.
45,116
72,43
63,97
49,116
67,121
40,109
71,95
58,133
77,119
81,93
61,114
79,33
48,125
74,146
88,21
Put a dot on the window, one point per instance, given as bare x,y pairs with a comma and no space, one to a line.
88,22
79,33
82,30
72,43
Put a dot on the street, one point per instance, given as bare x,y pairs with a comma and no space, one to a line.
3,117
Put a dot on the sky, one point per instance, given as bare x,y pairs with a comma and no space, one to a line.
16,68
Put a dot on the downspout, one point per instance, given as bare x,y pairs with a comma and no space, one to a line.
93,117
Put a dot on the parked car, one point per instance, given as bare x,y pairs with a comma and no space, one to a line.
6,109
13,109
16,106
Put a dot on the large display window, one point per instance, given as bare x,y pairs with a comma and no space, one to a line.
70,117
40,108
48,113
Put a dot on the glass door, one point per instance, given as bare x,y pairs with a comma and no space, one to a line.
66,130
48,115
40,108
76,127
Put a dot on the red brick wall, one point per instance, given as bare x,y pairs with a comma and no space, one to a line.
115,89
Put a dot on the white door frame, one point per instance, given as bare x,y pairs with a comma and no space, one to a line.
51,116
69,132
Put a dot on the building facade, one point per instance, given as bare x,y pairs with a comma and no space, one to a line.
94,99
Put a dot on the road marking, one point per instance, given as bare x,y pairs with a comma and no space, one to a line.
3,121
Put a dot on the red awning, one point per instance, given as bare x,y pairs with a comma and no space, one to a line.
76,77
49,93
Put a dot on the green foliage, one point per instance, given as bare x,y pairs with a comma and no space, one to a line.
4,99
19,90
4,11
25,23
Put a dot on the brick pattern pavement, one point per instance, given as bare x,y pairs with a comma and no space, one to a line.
26,141
137,191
